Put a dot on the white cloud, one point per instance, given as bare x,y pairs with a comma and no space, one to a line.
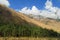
50,7
25,10
5,2
49,14
48,4
54,10
50,11
34,10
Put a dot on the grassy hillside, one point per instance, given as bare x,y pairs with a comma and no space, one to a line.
14,25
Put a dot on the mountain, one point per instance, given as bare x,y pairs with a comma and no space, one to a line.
16,24
45,22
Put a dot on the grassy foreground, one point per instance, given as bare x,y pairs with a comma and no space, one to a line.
27,38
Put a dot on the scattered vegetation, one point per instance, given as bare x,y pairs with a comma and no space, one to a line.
25,30
14,26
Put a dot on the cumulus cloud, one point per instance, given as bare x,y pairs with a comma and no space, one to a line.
49,14
34,10
25,10
48,4
50,7
49,11
5,2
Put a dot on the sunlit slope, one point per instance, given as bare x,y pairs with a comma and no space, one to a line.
50,25
53,23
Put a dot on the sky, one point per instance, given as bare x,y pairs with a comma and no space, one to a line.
47,8
27,3
19,4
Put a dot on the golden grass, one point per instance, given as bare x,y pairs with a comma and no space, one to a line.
27,38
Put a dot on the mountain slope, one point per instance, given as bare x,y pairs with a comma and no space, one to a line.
16,24
44,23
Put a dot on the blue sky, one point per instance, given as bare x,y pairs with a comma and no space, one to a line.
40,4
